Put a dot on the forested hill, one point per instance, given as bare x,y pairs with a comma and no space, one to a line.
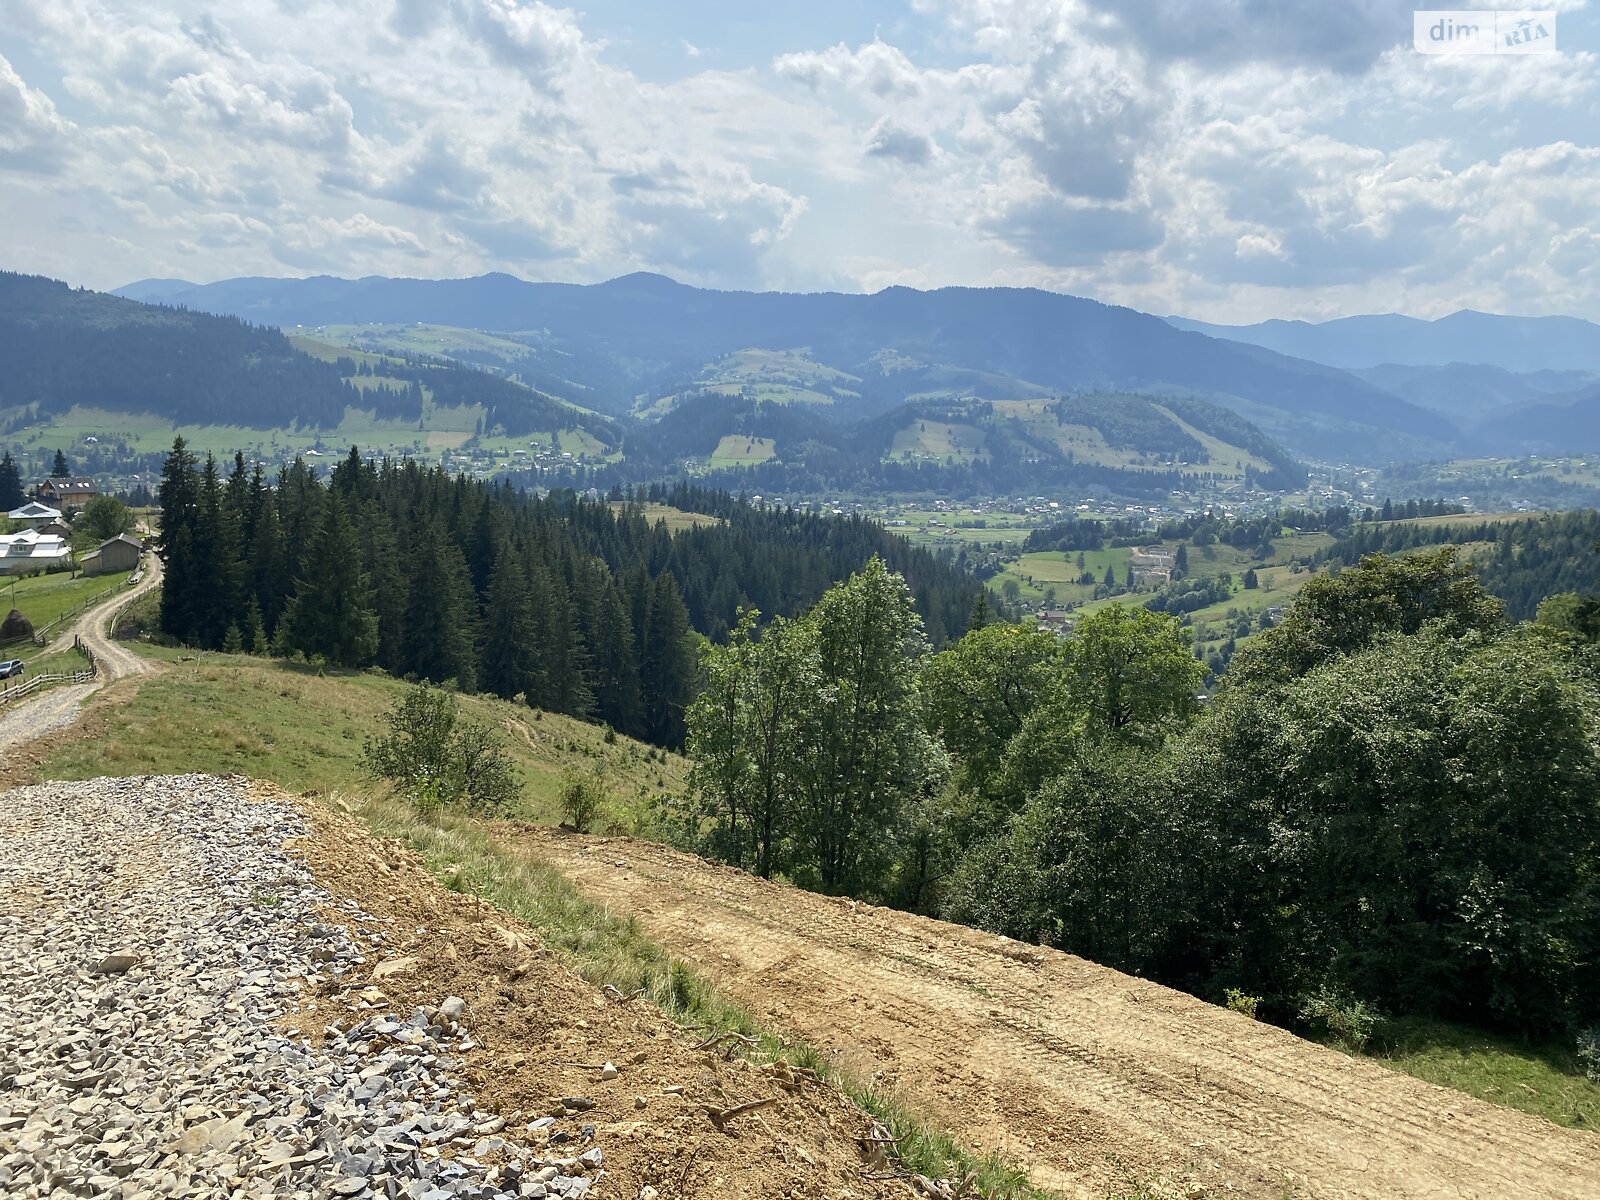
612,341
1522,562
62,347
581,608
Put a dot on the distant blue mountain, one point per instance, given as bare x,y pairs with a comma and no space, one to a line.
1471,391
613,341
1511,343
154,291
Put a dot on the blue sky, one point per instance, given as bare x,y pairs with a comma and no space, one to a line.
1227,159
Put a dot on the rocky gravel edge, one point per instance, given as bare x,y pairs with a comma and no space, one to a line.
158,945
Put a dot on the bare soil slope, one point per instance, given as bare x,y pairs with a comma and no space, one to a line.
1091,1079
543,1034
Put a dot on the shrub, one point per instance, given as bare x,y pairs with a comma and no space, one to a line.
1242,1003
438,759
1349,1022
581,797
1588,1052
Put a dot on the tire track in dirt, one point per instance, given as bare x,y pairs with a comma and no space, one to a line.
1091,1079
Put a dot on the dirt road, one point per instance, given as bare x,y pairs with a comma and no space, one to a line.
60,707
1092,1080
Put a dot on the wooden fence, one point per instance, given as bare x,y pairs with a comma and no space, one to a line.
11,694
38,634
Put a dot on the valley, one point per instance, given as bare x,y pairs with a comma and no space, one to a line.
916,601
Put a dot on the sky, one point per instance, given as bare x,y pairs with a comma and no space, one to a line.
1230,160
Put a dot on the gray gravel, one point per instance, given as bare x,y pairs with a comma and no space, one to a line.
151,930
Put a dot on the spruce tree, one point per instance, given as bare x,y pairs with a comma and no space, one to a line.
216,553
10,484
330,614
615,665
179,500
981,614
509,654
437,638
61,468
667,664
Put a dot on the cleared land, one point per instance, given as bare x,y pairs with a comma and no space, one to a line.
1093,1080
676,518
43,598
737,450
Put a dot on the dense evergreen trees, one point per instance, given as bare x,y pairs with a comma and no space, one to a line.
578,607
10,484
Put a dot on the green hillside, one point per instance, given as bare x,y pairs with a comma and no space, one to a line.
82,369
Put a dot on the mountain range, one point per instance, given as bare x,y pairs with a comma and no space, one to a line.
608,345
1519,344
952,377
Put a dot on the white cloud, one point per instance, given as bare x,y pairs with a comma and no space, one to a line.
33,137
1236,159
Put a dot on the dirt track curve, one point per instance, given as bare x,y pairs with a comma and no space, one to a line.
61,706
1090,1079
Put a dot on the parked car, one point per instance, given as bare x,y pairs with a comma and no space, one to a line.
12,666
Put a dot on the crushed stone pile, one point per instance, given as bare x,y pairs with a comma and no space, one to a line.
157,947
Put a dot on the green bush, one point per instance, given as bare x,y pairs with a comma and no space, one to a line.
1348,1022
438,759
1588,1052
1242,1003
581,797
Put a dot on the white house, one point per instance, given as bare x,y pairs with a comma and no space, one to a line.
33,551
33,514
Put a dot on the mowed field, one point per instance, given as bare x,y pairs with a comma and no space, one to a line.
940,441
676,518
43,598
1058,569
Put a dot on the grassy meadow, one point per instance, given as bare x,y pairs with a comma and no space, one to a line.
304,729
43,598
737,450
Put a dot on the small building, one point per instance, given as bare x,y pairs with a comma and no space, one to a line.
120,553
33,514
67,493
30,551
57,527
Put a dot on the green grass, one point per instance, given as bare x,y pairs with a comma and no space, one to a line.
737,450
940,440
43,598
676,518
440,341
959,525
303,730
605,948
1542,1079
58,660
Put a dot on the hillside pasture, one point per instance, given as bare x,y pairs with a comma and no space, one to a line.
940,441
737,450
304,728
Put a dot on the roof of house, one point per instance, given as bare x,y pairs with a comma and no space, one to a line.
68,486
34,511
121,537
32,544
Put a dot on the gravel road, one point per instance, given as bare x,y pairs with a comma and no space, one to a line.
159,953
59,707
